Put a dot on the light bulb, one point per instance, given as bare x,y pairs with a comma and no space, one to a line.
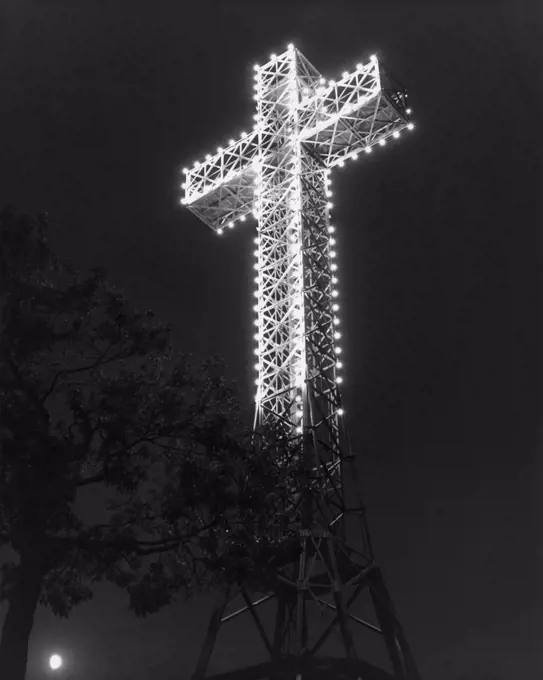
335,293
338,350
329,206
219,231
332,253
337,335
395,134
273,56
185,171
339,379
408,111
231,225
331,229
368,149
345,74
340,411
382,142
410,126
333,266
243,218
336,321
335,307
243,135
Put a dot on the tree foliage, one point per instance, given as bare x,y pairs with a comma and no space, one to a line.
94,398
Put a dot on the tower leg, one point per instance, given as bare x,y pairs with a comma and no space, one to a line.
340,608
395,640
279,627
279,634
211,636
300,601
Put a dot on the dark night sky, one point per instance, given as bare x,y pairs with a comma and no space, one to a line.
101,103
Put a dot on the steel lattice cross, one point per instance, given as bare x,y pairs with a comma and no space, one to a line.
280,173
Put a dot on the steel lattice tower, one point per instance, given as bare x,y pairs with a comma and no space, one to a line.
279,173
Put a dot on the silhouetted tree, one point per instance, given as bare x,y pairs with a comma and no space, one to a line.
92,394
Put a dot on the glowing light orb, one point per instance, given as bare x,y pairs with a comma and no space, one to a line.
55,662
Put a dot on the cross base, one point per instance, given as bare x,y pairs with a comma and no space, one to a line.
324,668
307,663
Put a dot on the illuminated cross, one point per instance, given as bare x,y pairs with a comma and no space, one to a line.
304,126
279,173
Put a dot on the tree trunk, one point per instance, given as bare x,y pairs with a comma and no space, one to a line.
22,601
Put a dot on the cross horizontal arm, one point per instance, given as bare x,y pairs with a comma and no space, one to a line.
220,190
353,114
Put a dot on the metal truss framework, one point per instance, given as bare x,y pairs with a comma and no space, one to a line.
280,172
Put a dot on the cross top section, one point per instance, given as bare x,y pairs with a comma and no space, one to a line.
336,120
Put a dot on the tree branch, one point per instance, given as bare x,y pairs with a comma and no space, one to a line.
94,479
81,369
102,475
26,387
139,546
